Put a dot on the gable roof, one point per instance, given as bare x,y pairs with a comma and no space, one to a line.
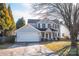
48,30
27,28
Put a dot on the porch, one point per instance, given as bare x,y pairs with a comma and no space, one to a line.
48,36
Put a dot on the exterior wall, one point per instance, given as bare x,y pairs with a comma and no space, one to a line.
78,37
64,30
46,25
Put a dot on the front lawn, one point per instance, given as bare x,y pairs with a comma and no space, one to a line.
57,45
63,48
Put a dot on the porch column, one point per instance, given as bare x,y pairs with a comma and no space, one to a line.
44,35
49,35
52,36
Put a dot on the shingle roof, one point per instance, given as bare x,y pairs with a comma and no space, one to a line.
55,20
44,29
33,20
53,30
27,28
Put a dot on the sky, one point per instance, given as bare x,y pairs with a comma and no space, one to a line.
21,10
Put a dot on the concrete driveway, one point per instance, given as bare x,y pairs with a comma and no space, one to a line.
29,50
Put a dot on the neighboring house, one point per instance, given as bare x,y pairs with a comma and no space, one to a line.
39,30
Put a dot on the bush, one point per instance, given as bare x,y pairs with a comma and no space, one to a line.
2,40
10,39
66,38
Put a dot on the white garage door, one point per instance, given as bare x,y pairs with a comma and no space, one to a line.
28,37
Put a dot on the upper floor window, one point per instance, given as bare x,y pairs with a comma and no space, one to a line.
43,25
57,26
39,25
53,25
49,25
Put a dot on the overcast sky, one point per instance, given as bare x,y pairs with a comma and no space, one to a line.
21,10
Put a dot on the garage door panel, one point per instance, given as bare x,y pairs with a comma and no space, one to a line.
29,37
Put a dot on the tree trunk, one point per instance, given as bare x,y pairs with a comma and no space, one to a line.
74,43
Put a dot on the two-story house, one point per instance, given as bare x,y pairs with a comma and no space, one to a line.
38,30
49,28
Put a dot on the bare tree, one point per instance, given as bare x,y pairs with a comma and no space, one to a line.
44,10
69,13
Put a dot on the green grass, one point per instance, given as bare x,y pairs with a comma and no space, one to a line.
4,46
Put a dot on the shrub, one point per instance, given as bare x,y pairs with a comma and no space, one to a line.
2,39
10,39
66,38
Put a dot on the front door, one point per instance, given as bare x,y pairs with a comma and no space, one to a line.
47,36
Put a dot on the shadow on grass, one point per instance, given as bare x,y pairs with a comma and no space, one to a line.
62,51
68,51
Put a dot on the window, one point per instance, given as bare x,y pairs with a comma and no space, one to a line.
38,25
49,25
43,25
53,25
56,26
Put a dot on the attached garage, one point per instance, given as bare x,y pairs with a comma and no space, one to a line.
28,34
